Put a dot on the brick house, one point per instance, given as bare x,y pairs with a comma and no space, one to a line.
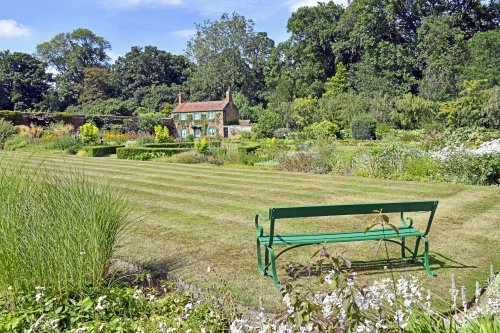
205,118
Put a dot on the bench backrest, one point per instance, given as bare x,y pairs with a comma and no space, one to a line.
352,209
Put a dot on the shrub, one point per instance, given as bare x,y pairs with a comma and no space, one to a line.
15,117
363,127
472,169
97,151
67,224
245,135
132,153
144,140
6,130
15,142
381,130
201,146
162,134
322,130
66,143
170,145
89,133
114,138
188,157
413,111
281,133
148,121
249,147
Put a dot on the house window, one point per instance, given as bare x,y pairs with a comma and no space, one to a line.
183,116
184,132
211,115
197,115
212,131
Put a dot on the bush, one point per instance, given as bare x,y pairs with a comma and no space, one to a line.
188,157
472,169
170,145
281,133
322,130
148,121
6,130
201,146
133,153
162,134
67,224
249,147
97,151
363,127
16,142
89,133
245,135
114,138
66,143
15,117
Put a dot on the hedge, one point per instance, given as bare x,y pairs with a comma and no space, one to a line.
15,117
96,151
133,153
170,145
248,148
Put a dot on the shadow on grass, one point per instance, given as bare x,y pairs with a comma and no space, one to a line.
375,267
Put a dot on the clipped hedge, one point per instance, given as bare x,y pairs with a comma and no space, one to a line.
134,153
248,148
15,117
170,145
97,151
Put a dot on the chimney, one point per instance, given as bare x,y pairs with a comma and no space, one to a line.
229,95
180,98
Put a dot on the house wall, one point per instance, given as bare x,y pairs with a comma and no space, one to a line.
205,122
232,114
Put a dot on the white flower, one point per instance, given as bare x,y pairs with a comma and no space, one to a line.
100,306
163,327
288,302
188,307
82,253
101,327
400,318
137,294
9,288
151,298
53,324
81,329
39,296
209,269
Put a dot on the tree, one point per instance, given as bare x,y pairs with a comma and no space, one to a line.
228,52
156,97
142,68
95,84
303,110
413,111
339,82
269,121
69,54
23,81
307,57
483,61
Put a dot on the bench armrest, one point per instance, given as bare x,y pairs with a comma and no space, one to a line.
259,230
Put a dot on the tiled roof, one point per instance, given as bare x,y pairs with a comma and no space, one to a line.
201,106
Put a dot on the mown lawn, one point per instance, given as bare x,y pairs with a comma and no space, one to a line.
195,216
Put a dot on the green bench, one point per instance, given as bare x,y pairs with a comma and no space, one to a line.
271,240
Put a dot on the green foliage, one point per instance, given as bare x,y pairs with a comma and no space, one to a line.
483,62
472,108
23,81
16,142
303,110
340,107
381,130
339,82
15,117
322,130
201,146
472,169
169,145
148,121
97,151
363,127
95,84
148,153
66,143
413,112
148,305
162,134
68,224
110,106
188,157
88,133
6,130
230,46
268,123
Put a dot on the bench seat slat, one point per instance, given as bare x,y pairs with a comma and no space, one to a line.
351,236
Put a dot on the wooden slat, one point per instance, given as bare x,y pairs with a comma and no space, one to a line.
351,209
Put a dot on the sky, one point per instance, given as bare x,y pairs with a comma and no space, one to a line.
167,24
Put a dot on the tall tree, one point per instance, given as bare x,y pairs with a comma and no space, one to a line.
95,84
228,52
23,81
141,68
69,54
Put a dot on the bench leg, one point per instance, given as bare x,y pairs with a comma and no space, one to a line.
403,252
273,267
259,258
415,252
426,258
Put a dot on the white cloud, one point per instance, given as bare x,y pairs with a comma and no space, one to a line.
10,29
183,33
113,56
138,3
